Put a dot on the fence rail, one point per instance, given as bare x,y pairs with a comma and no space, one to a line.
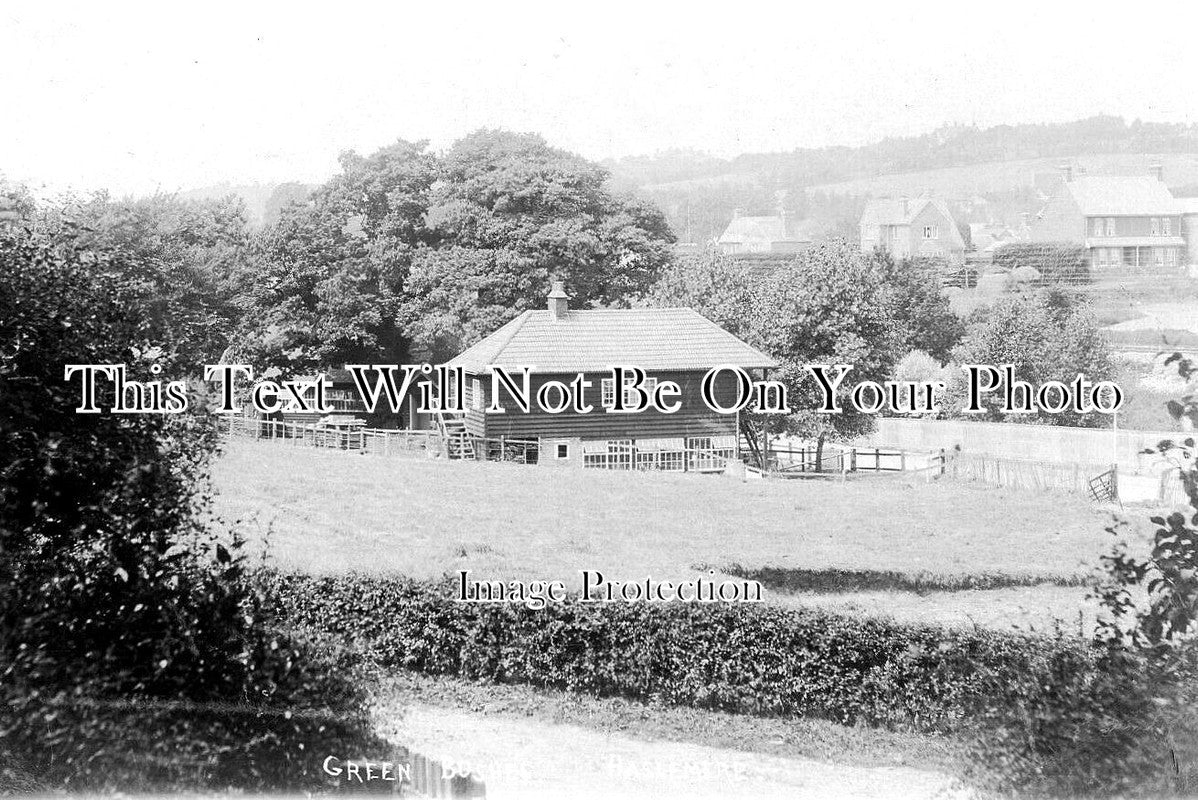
1024,473
378,441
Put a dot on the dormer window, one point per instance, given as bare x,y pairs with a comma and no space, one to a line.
1098,226
1110,226
931,231
1156,226
1166,227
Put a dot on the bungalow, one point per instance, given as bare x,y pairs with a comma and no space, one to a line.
676,344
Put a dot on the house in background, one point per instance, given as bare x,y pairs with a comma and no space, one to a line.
773,235
905,227
1124,222
676,344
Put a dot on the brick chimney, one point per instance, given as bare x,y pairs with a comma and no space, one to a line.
1157,171
559,301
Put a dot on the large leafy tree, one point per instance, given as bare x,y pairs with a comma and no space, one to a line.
509,213
180,254
829,306
923,318
1045,337
323,285
406,254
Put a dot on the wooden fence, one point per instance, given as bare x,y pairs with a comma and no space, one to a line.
376,441
1024,473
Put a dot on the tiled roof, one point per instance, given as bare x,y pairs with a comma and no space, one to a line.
593,341
1121,195
745,230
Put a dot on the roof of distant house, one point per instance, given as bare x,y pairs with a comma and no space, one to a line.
596,340
747,230
1121,195
1187,205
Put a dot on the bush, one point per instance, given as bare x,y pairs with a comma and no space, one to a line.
1057,262
1038,708
114,582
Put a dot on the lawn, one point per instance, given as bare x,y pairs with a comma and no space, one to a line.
840,545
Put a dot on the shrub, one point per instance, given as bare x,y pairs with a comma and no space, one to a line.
1037,707
114,583
1057,262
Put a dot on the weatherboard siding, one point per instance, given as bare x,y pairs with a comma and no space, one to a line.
694,418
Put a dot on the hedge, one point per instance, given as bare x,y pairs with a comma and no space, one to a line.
1052,711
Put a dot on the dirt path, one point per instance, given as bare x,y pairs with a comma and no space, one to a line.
522,757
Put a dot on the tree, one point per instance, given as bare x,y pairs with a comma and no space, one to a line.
829,306
182,255
507,215
923,317
1044,338
322,286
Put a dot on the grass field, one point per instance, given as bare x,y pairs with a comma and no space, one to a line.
906,549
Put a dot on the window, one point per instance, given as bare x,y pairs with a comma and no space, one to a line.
1171,257
1166,227
1110,226
1097,226
1156,226
609,392
563,451
608,387
1158,255
476,394
931,231
699,443
1100,256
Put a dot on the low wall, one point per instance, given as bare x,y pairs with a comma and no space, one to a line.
1033,442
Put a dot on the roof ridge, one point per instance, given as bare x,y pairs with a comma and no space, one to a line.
516,323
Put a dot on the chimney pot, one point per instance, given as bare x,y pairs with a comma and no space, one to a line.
559,301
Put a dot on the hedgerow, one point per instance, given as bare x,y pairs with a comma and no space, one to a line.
1046,712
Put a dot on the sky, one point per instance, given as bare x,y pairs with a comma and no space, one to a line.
161,97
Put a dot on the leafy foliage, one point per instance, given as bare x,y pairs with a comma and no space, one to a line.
831,305
1055,262
406,254
1045,336
114,581
1037,708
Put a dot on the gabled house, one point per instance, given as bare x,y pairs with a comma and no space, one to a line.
1124,222
559,343
905,227
775,235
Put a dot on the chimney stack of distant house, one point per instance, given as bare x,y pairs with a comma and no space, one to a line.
904,205
1157,171
1067,172
559,302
